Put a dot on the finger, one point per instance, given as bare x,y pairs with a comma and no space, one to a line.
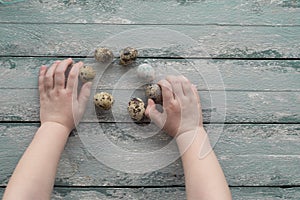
83,98
187,87
72,83
176,86
59,75
49,76
167,92
42,73
152,113
195,91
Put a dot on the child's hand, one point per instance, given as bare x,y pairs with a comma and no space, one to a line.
181,106
60,103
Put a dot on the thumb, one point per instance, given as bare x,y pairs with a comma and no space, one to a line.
152,113
84,96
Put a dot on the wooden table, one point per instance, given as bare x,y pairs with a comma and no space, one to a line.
254,44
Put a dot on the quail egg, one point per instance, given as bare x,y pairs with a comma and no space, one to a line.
146,72
128,55
103,100
103,55
153,91
136,109
86,74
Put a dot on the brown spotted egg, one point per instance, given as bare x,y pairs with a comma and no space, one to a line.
103,100
153,91
136,109
104,55
86,74
128,55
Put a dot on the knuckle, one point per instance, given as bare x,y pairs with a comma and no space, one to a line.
56,92
69,93
174,105
72,75
60,84
48,77
41,88
59,72
41,82
176,81
48,86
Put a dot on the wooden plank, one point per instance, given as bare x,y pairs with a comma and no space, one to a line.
241,106
174,193
154,12
251,155
263,193
166,40
254,75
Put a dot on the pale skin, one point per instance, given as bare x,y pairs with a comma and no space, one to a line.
61,108
34,176
182,119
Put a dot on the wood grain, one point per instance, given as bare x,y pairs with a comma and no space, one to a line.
185,40
176,193
251,155
22,73
240,12
258,146
255,107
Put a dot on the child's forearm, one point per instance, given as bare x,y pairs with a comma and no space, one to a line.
203,176
35,173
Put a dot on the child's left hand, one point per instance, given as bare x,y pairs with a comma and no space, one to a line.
59,103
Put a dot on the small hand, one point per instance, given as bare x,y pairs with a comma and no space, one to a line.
59,103
181,106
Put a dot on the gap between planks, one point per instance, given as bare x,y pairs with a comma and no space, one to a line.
75,187
155,24
213,123
154,57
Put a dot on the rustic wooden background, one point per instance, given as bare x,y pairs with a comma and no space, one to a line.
255,45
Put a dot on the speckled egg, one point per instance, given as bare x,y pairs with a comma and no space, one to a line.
104,55
146,72
153,91
86,74
136,109
103,100
128,55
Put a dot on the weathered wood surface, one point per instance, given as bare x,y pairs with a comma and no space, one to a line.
264,91
174,193
241,12
241,106
22,73
209,41
251,155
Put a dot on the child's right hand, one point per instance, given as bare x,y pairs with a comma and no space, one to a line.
181,107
